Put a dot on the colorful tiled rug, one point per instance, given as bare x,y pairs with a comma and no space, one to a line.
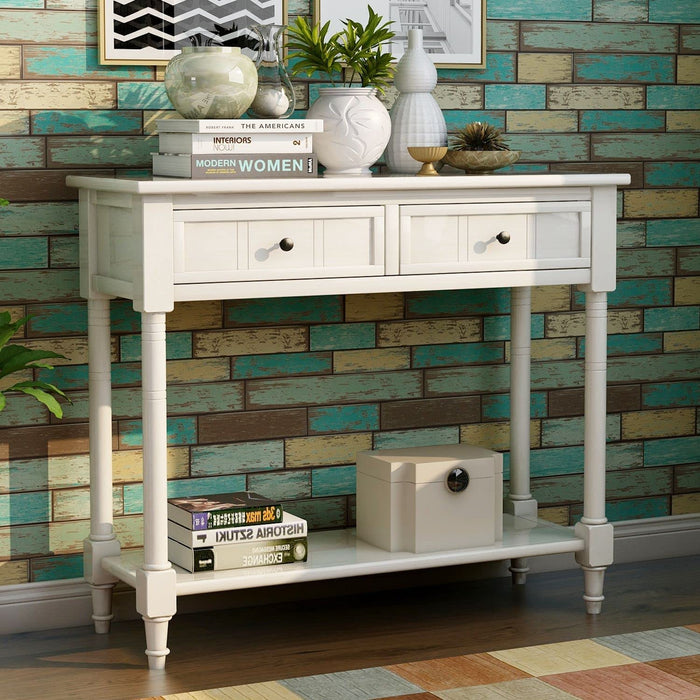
662,664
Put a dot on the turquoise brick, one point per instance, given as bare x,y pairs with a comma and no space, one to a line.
39,285
550,147
323,309
56,568
333,481
690,39
680,318
559,432
344,336
572,10
82,62
671,394
672,174
640,292
456,119
133,95
670,451
68,377
457,354
500,68
556,461
123,318
673,97
64,251
515,97
280,364
420,437
628,344
53,218
622,120
342,419
23,4
673,232
458,302
624,68
501,36
282,486
85,121
351,388
23,253
239,458
631,234
21,152
644,146
117,151
624,455
654,368
688,477
467,380
674,12
178,346
496,407
181,431
24,508
322,513
621,11
498,327
57,319
635,508
652,263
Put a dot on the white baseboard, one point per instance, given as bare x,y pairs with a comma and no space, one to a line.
32,607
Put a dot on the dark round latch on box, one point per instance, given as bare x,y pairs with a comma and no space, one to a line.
457,479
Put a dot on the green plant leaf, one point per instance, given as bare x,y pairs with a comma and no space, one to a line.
41,392
25,359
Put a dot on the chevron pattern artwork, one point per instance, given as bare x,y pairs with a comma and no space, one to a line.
153,31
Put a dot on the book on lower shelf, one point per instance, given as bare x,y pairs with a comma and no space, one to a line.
231,142
224,510
217,165
242,555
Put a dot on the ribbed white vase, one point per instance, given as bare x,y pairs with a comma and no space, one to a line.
416,118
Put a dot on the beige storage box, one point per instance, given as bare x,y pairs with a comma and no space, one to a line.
426,499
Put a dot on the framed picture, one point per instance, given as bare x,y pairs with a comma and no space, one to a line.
151,32
454,31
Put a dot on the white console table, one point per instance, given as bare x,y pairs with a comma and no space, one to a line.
159,242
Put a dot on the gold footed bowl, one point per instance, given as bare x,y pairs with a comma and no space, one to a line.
480,161
427,155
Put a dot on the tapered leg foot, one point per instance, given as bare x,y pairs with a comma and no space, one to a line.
156,641
102,606
593,588
518,569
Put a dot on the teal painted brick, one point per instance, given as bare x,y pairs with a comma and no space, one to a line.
123,318
526,168
282,486
515,97
500,68
314,391
496,407
64,251
501,36
631,234
624,455
181,431
621,10
652,263
622,120
458,302
322,513
634,509
540,10
48,27
25,508
550,147
323,309
624,68
671,394
21,152
204,398
640,292
673,97
237,458
498,327
338,336
23,253
39,285
674,12
628,344
457,354
117,151
342,419
456,119
689,261
556,461
679,318
690,39
281,364
333,481
57,319
654,368
644,146
178,346
68,377
53,218
467,380
670,451
688,477
78,62
21,410
85,121
673,232
23,4
559,432
672,174
420,437
56,568
133,95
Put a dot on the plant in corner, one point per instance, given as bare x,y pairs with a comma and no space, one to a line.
479,147
356,124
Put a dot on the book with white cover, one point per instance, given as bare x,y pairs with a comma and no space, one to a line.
208,166
266,126
265,142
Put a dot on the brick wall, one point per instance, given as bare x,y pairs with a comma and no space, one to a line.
279,397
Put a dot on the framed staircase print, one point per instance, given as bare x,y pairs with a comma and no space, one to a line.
454,31
151,32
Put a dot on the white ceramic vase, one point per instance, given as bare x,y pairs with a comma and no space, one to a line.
416,118
356,129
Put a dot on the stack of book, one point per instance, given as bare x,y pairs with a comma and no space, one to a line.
236,148
233,531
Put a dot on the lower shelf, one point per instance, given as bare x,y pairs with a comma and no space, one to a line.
338,553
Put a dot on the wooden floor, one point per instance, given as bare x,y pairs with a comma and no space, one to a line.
342,632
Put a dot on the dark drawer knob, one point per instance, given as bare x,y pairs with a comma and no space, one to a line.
503,237
457,480
286,244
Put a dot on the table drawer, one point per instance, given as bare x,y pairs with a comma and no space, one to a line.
484,237
285,243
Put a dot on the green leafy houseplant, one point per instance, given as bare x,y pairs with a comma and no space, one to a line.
355,52
16,358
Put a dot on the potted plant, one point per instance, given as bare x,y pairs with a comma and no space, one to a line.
479,147
357,125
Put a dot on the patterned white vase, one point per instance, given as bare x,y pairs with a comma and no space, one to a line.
416,118
356,129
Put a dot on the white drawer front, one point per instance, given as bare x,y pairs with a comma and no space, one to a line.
508,236
285,243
